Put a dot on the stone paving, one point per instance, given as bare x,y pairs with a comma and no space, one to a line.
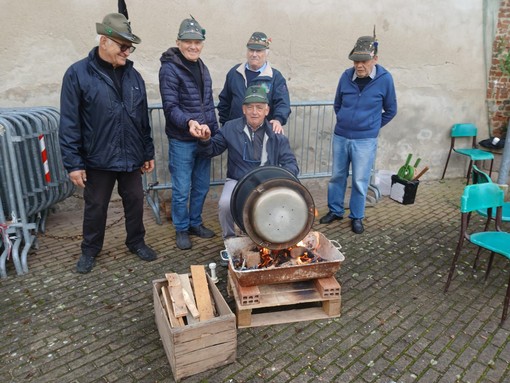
397,325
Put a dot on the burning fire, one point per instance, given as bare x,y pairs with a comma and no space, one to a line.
304,259
295,255
303,253
265,255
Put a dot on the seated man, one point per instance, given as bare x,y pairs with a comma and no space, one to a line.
251,142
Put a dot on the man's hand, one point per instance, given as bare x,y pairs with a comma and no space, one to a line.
201,132
148,166
277,126
78,177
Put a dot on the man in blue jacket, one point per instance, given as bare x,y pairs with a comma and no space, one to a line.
365,101
105,137
251,142
256,71
186,91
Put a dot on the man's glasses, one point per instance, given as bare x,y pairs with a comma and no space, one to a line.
123,47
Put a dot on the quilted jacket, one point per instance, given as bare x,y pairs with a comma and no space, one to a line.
181,97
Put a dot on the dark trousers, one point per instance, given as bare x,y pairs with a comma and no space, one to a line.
97,194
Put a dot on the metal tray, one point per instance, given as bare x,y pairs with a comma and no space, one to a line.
328,250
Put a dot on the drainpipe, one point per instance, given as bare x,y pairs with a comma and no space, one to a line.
505,160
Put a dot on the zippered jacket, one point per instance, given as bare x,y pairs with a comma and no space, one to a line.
233,137
361,114
182,99
100,128
232,95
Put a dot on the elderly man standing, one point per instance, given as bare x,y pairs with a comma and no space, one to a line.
186,91
256,71
251,142
105,137
365,101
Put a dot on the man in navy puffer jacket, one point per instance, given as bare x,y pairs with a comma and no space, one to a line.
186,91
105,137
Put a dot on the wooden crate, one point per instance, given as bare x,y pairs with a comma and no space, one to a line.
199,346
285,302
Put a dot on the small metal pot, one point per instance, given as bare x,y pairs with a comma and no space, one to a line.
272,207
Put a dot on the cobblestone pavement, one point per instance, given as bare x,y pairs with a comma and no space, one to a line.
397,325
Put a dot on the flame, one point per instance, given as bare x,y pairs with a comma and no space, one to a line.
304,259
265,255
274,258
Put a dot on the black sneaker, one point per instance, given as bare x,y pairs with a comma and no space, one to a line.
85,264
145,253
330,217
201,231
357,226
182,240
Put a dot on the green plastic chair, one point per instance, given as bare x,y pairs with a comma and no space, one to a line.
480,177
476,197
474,154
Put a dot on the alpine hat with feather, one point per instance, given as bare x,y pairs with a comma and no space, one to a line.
115,25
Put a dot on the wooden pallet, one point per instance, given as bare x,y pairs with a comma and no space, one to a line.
264,305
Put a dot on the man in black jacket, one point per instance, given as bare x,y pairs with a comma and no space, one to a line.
105,137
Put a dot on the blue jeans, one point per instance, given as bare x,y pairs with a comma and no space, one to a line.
190,183
360,153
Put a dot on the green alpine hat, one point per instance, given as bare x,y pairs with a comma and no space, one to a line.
190,29
364,50
117,26
255,94
258,41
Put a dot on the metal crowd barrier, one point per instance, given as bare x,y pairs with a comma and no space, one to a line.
32,180
309,128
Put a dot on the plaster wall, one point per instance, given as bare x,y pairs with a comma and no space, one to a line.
434,49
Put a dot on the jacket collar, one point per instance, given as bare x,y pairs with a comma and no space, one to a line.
266,126
93,57
267,72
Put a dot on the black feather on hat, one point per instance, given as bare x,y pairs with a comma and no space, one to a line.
123,9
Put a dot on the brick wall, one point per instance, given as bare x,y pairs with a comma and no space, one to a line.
498,99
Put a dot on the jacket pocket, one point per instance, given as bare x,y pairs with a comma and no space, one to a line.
136,102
